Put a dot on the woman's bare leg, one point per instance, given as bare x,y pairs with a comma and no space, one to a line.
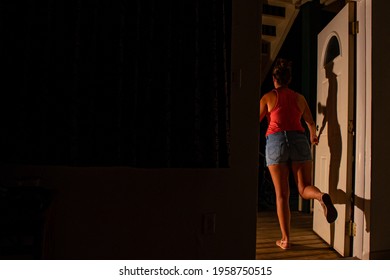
303,179
280,176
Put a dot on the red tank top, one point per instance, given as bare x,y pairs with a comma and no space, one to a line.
286,115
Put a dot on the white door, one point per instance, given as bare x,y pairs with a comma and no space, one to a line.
333,155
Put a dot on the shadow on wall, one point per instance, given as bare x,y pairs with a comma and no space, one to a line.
329,110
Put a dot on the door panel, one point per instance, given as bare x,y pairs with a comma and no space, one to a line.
333,155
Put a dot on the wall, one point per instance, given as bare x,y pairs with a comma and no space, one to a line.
380,191
126,213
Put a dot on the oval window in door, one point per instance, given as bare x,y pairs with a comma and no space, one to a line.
332,50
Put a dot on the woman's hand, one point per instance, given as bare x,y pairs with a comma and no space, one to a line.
314,139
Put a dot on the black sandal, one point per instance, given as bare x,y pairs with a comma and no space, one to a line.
330,211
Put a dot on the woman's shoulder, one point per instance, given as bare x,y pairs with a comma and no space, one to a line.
269,95
300,97
287,89
297,94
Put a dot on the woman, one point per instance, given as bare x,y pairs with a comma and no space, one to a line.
287,147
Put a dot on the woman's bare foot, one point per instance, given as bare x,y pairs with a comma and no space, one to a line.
283,244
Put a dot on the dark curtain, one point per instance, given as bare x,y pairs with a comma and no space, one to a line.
141,83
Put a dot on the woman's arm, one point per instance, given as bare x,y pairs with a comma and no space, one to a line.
307,116
263,107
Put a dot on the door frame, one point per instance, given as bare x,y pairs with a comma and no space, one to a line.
361,241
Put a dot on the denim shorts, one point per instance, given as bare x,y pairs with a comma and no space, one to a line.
287,146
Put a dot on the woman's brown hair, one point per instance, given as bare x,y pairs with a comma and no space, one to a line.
282,71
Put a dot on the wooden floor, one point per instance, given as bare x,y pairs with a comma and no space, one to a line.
305,244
